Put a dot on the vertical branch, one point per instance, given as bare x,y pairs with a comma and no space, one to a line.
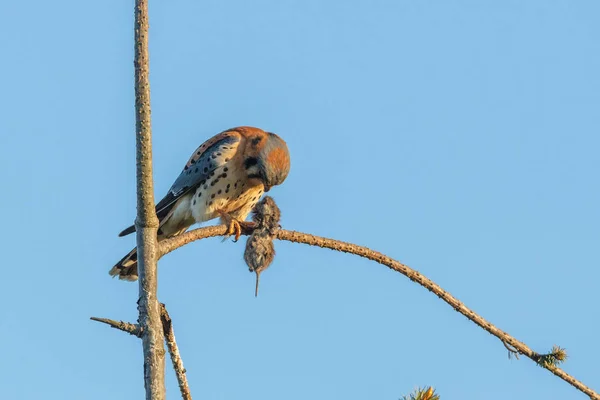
146,222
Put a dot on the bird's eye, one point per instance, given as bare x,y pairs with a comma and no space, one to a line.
256,141
250,161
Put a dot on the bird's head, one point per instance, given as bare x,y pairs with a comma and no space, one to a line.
267,158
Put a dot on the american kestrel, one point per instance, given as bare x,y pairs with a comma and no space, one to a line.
225,177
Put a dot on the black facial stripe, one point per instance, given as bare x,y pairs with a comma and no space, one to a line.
250,161
254,176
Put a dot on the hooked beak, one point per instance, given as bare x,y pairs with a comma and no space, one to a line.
264,179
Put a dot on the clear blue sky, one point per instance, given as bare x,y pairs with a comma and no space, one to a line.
459,137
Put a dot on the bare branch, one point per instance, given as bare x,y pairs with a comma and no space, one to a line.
415,276
146,222
169,245
174,352
132,329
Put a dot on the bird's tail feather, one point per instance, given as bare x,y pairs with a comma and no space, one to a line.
126,268
163,211
127,231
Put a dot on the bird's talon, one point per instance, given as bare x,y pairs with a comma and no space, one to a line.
233,226
238,231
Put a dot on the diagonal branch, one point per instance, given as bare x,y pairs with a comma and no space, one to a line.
171,244
132,329
180,371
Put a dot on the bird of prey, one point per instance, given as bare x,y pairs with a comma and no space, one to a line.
225,177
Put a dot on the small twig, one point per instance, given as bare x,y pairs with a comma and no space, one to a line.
167,324
171,244
174,352
132,329
511,350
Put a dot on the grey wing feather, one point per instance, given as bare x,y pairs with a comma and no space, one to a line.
196,173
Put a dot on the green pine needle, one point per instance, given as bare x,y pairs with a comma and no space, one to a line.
427,393
553,359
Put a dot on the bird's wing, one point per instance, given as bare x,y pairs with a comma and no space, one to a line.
212,154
